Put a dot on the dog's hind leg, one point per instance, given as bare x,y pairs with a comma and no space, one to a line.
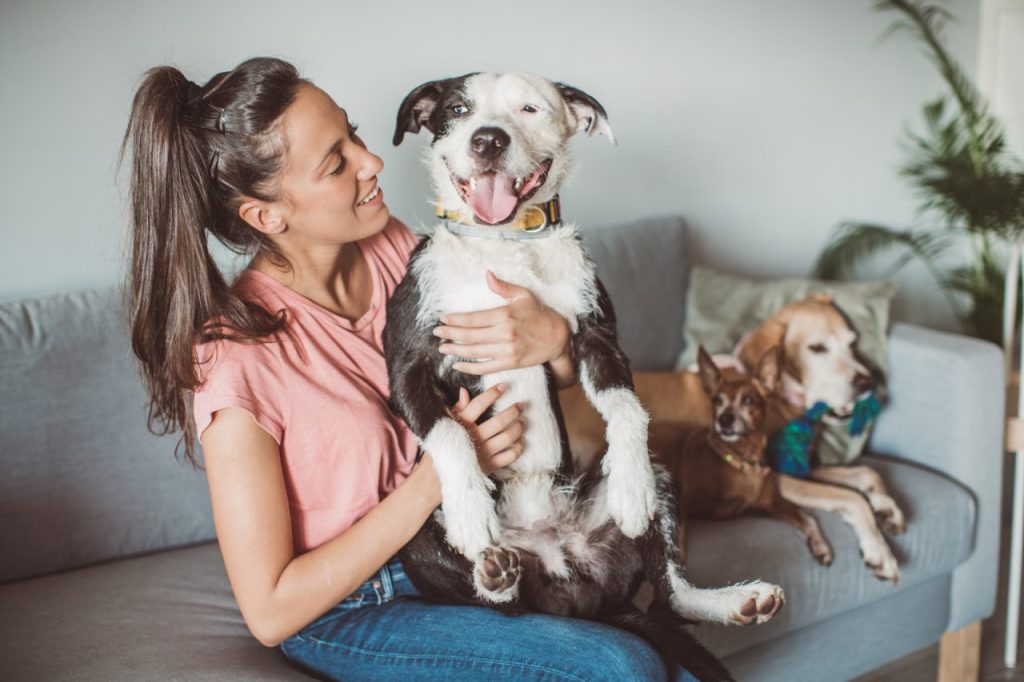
855,510
868,481
664,630
742,604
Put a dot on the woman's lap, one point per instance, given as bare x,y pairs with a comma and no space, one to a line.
416,640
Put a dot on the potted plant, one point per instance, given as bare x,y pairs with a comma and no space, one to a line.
970,186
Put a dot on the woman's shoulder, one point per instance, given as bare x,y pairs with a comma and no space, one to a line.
395,242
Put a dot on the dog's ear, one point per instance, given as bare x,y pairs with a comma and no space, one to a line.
769,369
770,333
416,109
590,116
710,375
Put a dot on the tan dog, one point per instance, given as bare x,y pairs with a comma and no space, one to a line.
819,363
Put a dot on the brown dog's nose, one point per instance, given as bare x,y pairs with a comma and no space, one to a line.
726,419
489,143
863,383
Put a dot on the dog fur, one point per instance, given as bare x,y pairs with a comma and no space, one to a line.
820,362
537,535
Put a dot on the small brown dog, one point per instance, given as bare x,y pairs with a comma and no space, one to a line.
721,470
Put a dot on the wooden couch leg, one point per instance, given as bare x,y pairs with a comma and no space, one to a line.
960,654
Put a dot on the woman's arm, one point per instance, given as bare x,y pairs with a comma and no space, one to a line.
280,593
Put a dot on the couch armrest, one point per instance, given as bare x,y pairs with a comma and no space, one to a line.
946,413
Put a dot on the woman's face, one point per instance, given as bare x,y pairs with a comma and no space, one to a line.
329,191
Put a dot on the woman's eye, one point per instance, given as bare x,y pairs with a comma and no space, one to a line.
459,109
341,166
818,348
530,109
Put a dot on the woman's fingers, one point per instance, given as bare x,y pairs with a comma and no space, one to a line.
480,318
478,350
506,457
481,403
504,440
490,334
499,422
485,367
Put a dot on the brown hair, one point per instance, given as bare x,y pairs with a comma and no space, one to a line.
197,152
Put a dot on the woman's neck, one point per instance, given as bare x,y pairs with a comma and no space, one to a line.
338,279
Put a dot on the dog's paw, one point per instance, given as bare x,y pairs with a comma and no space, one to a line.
891,519
758,603
496,575
632,498
879,558
821,551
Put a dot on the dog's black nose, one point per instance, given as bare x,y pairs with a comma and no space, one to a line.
489,143
726,419
862,383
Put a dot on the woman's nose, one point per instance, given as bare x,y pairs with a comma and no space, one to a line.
369,165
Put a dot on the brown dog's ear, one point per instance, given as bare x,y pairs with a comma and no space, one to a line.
710,375
769,369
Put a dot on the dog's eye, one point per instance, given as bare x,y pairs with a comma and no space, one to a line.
459,109
530,109
818,348
749,400
718,400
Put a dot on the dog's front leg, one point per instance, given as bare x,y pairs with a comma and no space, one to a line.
606,379
417,394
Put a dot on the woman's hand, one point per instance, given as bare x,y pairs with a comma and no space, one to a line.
499,439
522,333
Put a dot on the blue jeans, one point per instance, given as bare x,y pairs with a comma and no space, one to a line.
383,631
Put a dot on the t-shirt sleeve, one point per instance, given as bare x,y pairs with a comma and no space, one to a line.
401,238
239,375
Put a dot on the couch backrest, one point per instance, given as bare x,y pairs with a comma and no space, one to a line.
82,479
644,266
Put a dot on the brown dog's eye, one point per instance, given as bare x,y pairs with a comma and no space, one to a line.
718,400
749,400
817,348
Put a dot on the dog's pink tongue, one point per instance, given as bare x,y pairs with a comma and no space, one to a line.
493,199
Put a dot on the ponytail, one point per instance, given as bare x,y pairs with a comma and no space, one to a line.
196,153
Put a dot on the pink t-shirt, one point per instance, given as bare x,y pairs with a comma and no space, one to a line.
322,397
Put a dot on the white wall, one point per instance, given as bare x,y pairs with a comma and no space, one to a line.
763,122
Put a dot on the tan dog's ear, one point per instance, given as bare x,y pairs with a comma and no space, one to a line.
710,375
771,333
769,369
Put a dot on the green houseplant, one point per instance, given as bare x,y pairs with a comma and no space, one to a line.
971,191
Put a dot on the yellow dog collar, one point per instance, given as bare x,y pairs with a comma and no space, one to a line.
534,220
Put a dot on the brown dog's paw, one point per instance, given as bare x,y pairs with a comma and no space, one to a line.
822,554
498,570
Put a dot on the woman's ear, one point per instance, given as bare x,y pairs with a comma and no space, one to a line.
262,216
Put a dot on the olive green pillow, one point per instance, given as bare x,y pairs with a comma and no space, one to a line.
721,308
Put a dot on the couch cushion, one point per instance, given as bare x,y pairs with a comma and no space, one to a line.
83,479
163,616
643,265
941,517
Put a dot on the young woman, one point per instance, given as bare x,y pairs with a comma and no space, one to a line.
281,376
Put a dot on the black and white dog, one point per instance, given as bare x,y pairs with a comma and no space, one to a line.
540,536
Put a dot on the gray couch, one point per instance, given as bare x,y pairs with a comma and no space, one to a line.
110,570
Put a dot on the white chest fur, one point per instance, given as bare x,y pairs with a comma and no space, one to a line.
452,277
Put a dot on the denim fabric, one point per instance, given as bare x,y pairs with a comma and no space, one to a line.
383,631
